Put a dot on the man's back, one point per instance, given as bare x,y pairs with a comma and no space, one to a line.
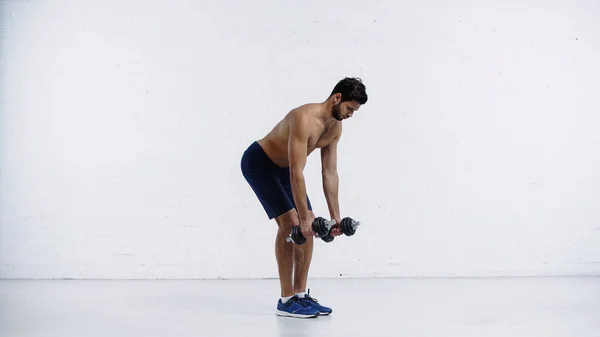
320,133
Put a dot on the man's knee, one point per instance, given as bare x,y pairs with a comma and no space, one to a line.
288,220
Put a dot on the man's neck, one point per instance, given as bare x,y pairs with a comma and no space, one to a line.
325,112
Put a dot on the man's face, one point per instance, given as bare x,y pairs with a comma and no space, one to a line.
344,110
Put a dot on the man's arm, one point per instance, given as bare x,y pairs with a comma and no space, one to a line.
297,152
330,176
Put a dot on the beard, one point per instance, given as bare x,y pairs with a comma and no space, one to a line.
335,111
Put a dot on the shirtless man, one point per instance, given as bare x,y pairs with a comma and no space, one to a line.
273,166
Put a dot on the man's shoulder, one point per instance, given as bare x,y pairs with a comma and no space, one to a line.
307,108
302,114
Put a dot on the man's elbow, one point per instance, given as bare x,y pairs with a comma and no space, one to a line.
296,173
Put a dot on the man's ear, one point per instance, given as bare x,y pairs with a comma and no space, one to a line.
337,97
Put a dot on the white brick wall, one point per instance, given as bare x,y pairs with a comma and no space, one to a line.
123,122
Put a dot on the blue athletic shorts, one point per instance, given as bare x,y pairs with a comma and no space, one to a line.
270,183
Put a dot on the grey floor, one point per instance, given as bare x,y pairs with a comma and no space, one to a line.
507,307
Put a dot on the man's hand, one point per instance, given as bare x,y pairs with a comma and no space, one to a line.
336,230
306,226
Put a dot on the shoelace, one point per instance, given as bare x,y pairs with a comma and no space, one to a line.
308,297
300,301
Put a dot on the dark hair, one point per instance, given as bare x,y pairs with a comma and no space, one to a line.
352,89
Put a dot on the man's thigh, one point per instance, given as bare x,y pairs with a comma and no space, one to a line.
270,193
261,174
284,179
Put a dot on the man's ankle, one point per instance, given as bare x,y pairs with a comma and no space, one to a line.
300,293
284,299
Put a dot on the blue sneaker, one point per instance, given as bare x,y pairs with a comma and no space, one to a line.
323,310
296,307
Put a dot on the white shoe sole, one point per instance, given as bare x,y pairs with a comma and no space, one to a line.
287,314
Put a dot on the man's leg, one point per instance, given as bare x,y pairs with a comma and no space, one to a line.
302,258
302,253
289,304
284,252
261,173
291,257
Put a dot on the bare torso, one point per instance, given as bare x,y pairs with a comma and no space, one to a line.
275,143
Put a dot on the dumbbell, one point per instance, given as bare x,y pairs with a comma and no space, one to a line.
320,226
348,227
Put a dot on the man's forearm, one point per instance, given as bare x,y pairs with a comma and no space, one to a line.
331,188
299,194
